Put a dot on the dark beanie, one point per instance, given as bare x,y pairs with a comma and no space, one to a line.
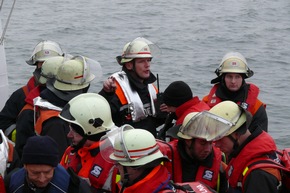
177,93
40,150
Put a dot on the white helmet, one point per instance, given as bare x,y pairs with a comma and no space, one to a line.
91,112
43,50
130,147
49,68
138,48
203,125
231,112
74,74
234,62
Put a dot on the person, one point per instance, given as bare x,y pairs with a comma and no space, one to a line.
138,160
25,119
8,115
231,85
89,118
242,147
48,72
130,92
73,78
193,155
41,171
180,101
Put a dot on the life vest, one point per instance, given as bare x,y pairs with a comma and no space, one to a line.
35,92
209,176
156,181
252,103
89,164
59,183
280,168
256,148
25,90
43,110
131,100
29,86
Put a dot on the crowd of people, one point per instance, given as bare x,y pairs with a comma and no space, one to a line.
57,136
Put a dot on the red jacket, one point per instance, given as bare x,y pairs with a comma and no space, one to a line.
193,105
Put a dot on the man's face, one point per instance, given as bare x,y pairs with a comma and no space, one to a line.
131,175
198,148
225,144
74,136
233,81
39,175
39,64
142,67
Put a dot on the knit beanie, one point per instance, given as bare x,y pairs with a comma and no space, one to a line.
177,93
40,150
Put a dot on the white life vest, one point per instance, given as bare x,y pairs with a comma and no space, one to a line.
135,104
4,151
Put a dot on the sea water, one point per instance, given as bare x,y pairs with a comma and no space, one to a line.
192,35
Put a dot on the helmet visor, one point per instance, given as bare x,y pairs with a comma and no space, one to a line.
206,125
90,66
107,142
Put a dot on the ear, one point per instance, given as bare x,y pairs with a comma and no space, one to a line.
236,135
129,65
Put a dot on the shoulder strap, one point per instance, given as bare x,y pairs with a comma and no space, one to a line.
266,164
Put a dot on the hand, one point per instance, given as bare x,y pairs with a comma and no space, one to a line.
164,108
109,85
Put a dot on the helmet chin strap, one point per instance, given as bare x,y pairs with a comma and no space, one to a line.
125,181
235,141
